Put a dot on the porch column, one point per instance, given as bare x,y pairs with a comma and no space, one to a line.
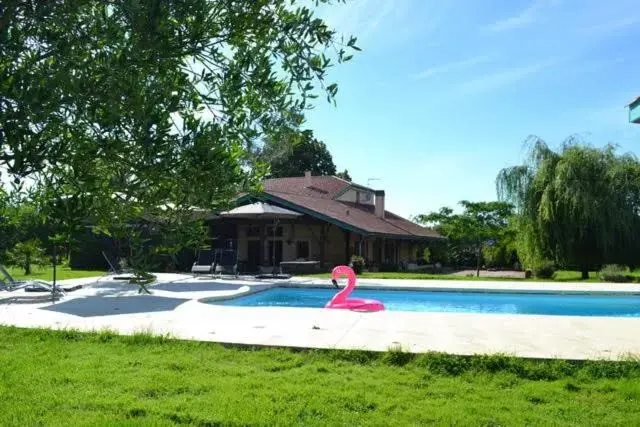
263,247
323,239
347,242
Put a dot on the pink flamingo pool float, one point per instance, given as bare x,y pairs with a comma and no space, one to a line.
342,300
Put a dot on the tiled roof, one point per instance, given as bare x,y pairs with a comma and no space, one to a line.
323,187
319,199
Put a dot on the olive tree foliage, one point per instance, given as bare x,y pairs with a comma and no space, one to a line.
578,206
125,110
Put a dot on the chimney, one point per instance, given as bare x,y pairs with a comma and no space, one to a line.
379,210
307,179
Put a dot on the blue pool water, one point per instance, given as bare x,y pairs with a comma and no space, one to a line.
458,302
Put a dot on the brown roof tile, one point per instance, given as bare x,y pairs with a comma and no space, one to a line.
324,187
319,198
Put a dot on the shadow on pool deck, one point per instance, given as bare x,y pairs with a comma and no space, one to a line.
195,286
99,306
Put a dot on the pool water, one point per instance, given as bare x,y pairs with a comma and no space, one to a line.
456,302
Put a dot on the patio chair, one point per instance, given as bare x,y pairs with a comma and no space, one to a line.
11,284
204,263
227,262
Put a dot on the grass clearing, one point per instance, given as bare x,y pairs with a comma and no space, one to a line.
68,378
46,273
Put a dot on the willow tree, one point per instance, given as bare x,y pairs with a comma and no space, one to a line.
136,109
577,206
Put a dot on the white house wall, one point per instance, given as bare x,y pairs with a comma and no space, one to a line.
356,196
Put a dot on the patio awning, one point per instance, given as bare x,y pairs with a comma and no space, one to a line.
260,210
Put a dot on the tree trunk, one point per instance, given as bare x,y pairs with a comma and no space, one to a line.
585,272
478,261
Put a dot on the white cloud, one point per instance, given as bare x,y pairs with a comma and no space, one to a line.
523,19
363,18
502,78
453,66
612,26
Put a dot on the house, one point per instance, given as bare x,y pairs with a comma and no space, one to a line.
337,220
634,111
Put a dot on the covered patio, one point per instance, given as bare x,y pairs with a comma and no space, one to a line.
266,234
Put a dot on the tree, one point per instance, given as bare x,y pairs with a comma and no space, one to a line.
148,109
6,229
344,175
295,155
26,254
475,227
577,206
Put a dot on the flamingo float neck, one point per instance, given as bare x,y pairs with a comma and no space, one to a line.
343,270
342,301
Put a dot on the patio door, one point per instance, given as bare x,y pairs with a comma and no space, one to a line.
253,255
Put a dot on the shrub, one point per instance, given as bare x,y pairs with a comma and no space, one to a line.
544,269
396,356
357,263
426,256
528,273
615,273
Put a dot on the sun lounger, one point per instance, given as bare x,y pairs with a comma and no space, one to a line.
12,284
227,262
114,266
205,262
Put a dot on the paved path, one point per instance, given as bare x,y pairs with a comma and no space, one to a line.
175,309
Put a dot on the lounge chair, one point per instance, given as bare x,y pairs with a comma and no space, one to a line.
114,265
205,262
11,284
227,262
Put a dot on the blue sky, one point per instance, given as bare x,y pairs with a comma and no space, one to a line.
445,92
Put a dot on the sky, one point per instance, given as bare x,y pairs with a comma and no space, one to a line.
444,93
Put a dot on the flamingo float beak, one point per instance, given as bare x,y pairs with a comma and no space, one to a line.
335,283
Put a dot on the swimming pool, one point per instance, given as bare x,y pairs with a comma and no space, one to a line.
451,301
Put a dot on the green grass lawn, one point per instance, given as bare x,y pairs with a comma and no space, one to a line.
560,276
46,273
70,378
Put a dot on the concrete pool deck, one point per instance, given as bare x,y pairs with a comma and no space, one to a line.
175,308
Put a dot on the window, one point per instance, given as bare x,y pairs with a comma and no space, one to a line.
278,231
302,249
253,231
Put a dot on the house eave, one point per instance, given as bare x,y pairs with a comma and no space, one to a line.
364,233
290,205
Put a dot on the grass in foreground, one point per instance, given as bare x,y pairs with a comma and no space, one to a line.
69,378
46,273
560,276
